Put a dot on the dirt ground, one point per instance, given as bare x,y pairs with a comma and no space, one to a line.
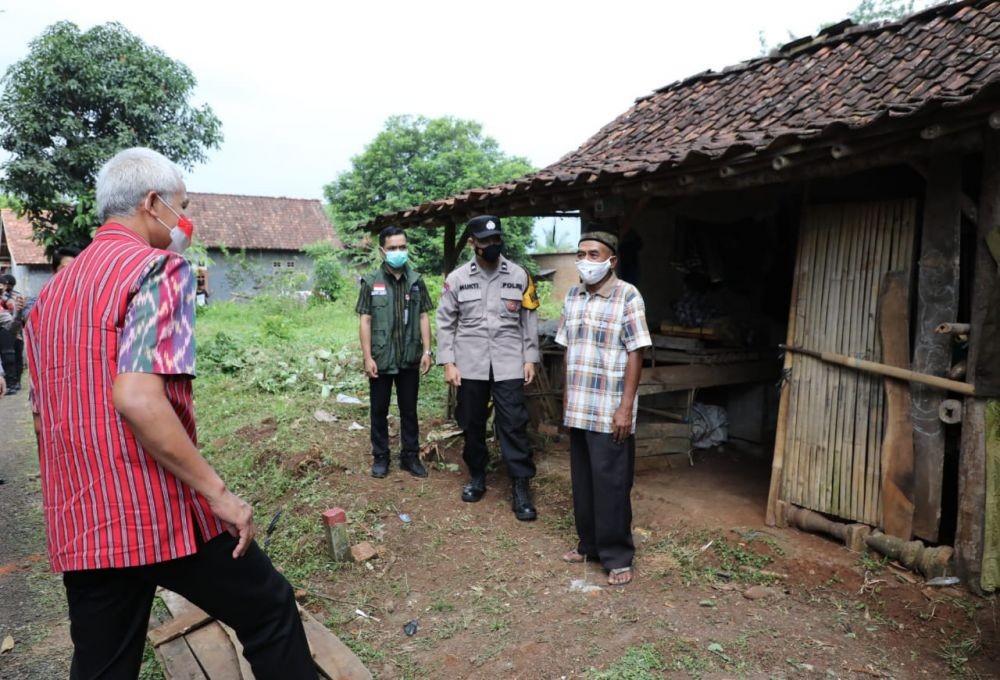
717,594
32,611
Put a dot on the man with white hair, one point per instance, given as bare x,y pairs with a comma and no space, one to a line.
129,502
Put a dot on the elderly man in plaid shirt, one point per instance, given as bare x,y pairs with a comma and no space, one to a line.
603,328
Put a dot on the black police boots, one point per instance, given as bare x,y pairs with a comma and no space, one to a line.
380,468
521,500
411,463
475,489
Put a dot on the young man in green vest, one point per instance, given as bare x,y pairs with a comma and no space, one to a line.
396,343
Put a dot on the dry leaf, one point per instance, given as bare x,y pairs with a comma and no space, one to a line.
7,645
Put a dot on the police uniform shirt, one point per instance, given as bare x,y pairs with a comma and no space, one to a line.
487,319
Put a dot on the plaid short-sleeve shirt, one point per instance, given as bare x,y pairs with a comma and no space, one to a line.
598,331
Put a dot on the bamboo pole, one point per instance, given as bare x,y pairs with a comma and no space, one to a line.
891,371
803,279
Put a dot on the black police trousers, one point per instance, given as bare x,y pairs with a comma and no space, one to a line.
511,419
109,611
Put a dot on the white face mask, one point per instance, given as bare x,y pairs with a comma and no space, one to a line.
180,236
593,272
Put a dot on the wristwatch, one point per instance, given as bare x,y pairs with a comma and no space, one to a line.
429,353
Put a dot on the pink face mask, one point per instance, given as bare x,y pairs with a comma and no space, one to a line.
181,235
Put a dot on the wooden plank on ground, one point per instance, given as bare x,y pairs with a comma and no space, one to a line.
178,626
333,657
245,669
690,377
897,448
209,644
176,659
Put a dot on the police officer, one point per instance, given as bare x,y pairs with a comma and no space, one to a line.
395,334
488,345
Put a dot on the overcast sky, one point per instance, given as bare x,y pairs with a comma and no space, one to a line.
301,86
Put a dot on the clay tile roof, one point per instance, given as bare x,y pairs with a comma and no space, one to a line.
259,222
18,232
847,80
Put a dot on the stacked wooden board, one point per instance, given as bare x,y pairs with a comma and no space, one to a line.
191,645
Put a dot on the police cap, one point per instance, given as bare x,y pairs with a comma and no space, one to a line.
484,226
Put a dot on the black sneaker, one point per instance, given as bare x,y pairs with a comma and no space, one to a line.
412,465
380,468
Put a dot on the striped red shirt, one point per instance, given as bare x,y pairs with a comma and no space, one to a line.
121,306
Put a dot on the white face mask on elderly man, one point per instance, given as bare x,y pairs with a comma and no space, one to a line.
180,236
592,272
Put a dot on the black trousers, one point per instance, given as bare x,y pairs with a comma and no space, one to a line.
10,357
109,611
471,412
407,383
602,471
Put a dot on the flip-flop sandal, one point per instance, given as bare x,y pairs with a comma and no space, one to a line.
574,557
613,575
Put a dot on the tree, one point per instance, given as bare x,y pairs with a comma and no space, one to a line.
76,100
414,160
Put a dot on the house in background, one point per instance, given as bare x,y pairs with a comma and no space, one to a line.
560,269
841,194
250,239
20,255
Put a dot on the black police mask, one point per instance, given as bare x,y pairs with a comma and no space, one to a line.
490,253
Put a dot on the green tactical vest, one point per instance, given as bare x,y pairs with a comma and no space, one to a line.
384,351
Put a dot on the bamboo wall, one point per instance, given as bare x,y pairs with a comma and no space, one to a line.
836,415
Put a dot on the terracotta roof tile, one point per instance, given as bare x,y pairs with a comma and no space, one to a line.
258,222
22,247
849,79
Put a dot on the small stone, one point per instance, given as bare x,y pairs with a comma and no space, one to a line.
301,594
759,592
389,606
355,427
322,416
363,552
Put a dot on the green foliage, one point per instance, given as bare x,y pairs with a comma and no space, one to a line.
77,99
415,160
222,353
328,276
638,663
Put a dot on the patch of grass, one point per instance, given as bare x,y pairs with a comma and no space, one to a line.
637,663
704,557
365,651
958,652
150,669
869,562
441,605
684,657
